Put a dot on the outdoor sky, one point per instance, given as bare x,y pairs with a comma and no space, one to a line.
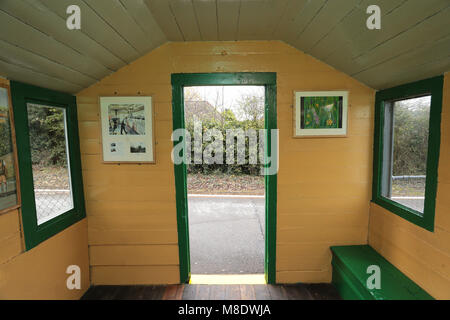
227,95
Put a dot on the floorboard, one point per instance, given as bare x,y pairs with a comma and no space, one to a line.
214,292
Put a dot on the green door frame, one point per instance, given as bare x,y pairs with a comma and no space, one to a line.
266,79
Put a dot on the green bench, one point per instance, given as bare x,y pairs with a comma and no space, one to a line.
350,276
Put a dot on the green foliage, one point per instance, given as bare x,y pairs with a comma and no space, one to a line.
251,107
47,135
229,121
411,128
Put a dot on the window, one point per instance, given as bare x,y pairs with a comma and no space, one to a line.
49,161
406,150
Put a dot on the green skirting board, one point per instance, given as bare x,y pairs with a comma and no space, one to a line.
350,276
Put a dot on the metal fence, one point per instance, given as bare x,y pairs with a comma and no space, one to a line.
52,203
409,190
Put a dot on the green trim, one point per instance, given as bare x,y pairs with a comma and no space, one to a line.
22,94
181,188
267,79
432,86
270,120
350,264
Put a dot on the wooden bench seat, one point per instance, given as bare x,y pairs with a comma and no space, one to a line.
350,276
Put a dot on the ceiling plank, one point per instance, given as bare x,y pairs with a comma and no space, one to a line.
40,17
144,18
116,15
228,19
258,19
25,36
349,28
21,57
401,65
18,73
296,18
398,21
323,22
163,14
184,13
96,28
206,13
423,35
423,71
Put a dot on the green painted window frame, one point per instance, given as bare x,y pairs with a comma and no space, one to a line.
433,87
21,95
266,79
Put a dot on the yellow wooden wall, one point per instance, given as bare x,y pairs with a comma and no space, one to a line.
40,272
324,185
422,255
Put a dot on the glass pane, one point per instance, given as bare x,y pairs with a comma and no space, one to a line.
50,162
8,192
410,119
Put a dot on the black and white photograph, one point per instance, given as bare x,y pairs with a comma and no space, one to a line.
127,129
126,119
137,147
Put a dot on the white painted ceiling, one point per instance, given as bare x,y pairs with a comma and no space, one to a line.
37,48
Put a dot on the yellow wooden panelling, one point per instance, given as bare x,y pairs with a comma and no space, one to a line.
9,224
318,177
125,275
422,255
40,273
120,237
10,247
133,255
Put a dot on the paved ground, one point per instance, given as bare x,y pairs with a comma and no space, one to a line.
226,235
416,203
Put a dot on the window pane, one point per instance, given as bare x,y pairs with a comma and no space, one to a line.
8,192
409,148
50,162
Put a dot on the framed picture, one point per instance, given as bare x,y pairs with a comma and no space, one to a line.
320,113
9,181
127,129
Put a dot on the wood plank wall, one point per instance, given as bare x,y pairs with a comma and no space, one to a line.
324,185
422,255
41,272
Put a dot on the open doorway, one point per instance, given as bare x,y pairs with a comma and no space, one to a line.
269,155
226,193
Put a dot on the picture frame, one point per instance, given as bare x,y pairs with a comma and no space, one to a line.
10,198
320,114
127,126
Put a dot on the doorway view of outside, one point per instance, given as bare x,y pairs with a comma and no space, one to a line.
226,204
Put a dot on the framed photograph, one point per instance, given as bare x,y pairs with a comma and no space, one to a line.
9,181
320,114
127,129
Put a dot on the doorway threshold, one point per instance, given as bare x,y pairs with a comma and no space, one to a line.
227,279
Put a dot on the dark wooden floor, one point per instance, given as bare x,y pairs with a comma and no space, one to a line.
214,292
